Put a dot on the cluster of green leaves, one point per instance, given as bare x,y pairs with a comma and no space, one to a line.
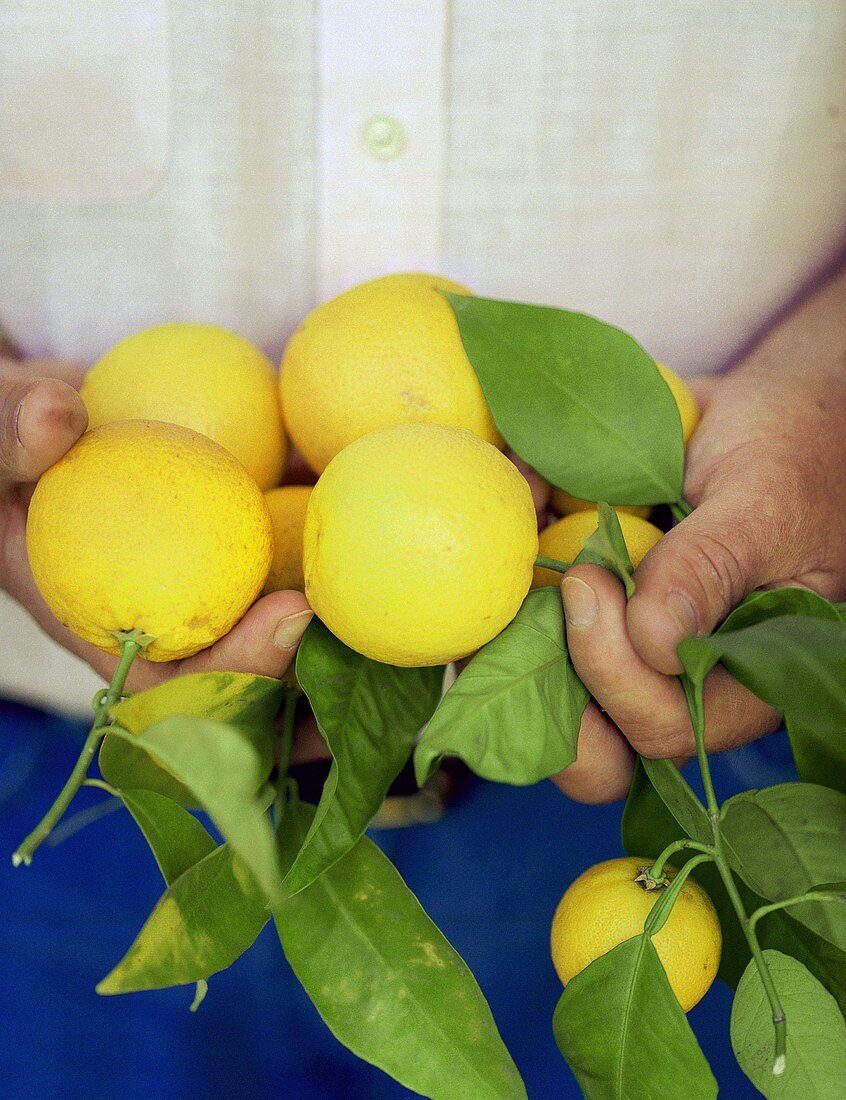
586,406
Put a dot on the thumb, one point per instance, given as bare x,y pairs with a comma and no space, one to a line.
40,419
693,577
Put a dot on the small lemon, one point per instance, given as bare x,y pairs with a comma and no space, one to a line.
563,504
419,544
565,538
386,352
606,905
686,402
149,526
201,376
287,507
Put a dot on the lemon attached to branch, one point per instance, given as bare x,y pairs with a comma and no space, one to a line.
150,527
419,544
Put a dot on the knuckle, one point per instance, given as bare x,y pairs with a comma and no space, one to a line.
719,566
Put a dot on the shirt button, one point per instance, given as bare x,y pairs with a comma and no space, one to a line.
383,137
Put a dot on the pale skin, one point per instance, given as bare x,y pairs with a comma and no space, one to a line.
765,471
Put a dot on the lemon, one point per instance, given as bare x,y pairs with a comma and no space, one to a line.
566,537
149,526
419,543
563,504
605,906
686,402
386,352
287,507
202,377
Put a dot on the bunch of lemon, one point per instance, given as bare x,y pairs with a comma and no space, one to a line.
415,547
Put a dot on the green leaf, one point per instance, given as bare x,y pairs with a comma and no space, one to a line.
176,838
203,922
223,769
384,979
785,840
760,606
513,714
370,713
797,664
816,1033
550,375
623,1033
249,702
607,547
679,799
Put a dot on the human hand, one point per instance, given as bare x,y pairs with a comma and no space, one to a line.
41,417
766,472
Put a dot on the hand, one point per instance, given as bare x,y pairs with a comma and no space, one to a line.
766,471
41,417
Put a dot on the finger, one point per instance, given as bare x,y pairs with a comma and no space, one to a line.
696,574
40,419
648,707
602,771
264,643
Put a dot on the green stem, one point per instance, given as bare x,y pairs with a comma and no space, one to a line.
656,871
812,895
551,563
748,926
680,509
660,911
130,645
696,706
286,744
693,692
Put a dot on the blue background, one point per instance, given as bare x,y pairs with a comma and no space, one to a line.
489,873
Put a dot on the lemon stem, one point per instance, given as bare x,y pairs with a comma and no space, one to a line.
680,509
660,911
130,645
286,743
656,871
551,563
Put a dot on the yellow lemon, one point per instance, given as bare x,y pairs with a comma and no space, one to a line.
606,905
202,377
686,402
149,526
566,537
287,507
419,543
386,352
563,504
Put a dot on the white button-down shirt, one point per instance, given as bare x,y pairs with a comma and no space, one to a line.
674,167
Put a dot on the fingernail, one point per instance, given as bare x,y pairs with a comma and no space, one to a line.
580,604
290,629
683,613
19,420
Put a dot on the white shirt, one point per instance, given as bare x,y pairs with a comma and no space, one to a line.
676,168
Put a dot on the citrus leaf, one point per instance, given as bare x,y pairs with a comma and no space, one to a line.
674,792
370,713
623,1033
176,838
550,375
203,922
816,1033
797,664
760,606
784,841
513,714
247,701
223,769
384,979
607,547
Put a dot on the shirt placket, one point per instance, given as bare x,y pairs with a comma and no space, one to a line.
381,69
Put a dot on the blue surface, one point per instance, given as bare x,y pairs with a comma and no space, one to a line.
489,874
